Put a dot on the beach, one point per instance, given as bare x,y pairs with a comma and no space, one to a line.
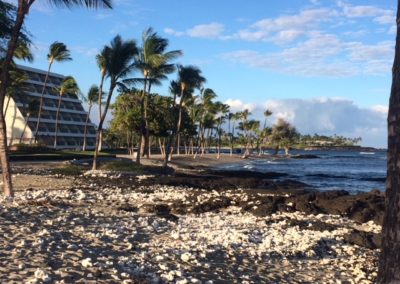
193,226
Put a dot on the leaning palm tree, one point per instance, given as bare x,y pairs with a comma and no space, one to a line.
119,62
154,62
68,86
22,10
33,110
91,99
58,52
189,78
101,63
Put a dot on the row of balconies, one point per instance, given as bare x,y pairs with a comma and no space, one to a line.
63,141
63,129
37,77
35,87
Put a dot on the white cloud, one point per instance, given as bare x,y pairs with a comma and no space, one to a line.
173,32
321,55
288,26
208,31
327,116
238,105
213,30
379,15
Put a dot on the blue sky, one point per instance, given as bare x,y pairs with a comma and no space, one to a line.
324,65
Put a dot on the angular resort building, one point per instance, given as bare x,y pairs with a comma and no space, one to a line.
21,122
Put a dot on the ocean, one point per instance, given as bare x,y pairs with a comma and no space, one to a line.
349,170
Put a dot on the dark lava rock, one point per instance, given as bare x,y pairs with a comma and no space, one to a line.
361,207
212,205
269,205
128,208
313,226
364,239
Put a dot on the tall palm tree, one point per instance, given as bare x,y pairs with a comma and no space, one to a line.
58,52
389,269
22,10
68,86
189,78
33,110
235,117
119,62
154,62
206,107
101,63
91,99
221,111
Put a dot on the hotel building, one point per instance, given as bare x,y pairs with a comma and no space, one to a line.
72,116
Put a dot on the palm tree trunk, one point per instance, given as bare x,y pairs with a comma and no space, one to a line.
171,138
23,131
41,102
100,128
142,122
7,104
389,268
23,9
146,122
85,130
100,103
178,126
232,137
56,126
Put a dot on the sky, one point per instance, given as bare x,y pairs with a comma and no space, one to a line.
323,65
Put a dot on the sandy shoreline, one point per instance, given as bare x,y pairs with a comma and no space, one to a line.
107,228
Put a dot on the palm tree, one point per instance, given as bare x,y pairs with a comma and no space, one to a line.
153,61
68,86
235,117
33,109
389,269
91,99
101,63
119,62
264,132
189,78
22,10
58,52
206,108
221,110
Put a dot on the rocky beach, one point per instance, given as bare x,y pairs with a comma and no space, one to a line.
188,226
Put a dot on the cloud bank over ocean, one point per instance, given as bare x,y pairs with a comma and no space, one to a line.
326,116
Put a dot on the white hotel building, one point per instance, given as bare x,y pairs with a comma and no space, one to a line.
72,116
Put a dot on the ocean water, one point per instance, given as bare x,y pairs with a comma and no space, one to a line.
349,170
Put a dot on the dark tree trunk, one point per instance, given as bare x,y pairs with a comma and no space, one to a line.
100,128
389,263
85,130
41,103
56,126
7,104
141,145
23,130
23,9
